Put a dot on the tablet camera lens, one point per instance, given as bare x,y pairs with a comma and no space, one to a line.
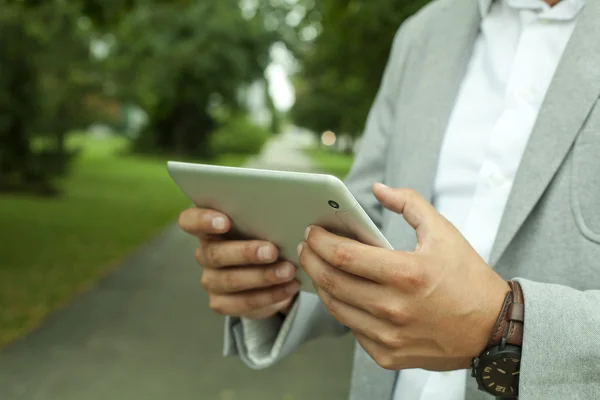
334,204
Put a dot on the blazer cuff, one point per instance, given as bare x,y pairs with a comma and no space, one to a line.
258,343
261,344
560,343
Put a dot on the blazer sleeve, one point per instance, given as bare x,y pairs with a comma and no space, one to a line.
261,344
561,343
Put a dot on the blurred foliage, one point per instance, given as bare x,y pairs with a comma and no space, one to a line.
348,43
179,63
228,140
44,72
67,63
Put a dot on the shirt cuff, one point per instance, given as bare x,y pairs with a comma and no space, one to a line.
264,338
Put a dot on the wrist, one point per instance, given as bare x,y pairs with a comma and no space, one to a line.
495,310
497,368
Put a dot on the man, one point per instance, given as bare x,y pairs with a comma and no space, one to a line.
489,111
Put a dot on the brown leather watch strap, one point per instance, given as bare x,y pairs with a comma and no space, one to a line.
509,326
501,323
515,316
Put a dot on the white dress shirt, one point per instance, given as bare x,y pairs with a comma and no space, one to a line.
515,56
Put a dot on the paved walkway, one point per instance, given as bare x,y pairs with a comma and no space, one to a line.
285,153
145,333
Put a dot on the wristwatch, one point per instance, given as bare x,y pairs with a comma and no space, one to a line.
497,367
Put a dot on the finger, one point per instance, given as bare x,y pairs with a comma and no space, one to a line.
381,354
412,354
350,289
358,320
371,346
226,253
417,211
269,311
245,303
201,221
373,263
239,279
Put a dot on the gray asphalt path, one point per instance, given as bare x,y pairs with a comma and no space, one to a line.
145,332
285,153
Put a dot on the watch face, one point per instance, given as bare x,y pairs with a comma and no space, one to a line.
499,372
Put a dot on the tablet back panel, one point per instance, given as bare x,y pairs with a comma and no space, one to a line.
274,205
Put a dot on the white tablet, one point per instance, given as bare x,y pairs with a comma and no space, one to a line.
277,206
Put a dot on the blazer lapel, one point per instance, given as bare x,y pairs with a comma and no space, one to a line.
448,51
572,94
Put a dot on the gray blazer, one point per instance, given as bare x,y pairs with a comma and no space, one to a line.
549,236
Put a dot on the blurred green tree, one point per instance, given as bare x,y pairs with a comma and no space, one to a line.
347,44
44,70
180,61
62,60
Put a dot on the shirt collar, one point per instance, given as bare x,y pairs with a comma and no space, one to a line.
564,10
484,7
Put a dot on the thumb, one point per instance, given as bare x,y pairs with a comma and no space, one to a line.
414,208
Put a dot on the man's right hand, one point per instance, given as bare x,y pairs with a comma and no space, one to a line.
243,278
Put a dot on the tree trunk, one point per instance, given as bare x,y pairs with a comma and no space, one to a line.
349,148
16,157
184,132
179,136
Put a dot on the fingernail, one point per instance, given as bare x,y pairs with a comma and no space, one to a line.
300,247
285,271
218,223
381,185
293,288
266,253
306,233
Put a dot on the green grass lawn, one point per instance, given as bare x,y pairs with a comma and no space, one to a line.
333,163
52,249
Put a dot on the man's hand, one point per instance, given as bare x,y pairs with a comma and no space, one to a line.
433,308
243,277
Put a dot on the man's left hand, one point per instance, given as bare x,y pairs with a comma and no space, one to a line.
433,308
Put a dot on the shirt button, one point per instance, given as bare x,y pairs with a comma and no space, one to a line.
493,176
497,179
525,94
